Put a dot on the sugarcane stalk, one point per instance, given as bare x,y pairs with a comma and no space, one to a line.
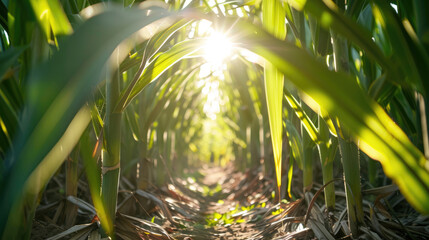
350,160
348,149
327,151
327,164
328,175
71,188
160,166
254,140
111,151
307,162
144,167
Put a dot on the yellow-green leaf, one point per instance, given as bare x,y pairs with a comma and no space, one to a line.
51,16
273,19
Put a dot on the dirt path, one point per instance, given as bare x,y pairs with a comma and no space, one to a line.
211,203
234,205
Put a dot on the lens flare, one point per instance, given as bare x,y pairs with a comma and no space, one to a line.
218,48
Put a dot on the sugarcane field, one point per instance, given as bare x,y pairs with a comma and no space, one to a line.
214,119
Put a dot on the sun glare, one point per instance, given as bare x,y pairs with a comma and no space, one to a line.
212,105
217,49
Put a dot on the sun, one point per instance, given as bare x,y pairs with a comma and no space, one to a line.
217,49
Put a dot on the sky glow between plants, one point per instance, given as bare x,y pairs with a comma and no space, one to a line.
218,49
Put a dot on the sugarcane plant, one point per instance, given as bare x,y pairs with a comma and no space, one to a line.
354,69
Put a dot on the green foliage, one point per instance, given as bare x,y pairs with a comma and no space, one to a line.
233,216
340,96
56,91
55,74
273,19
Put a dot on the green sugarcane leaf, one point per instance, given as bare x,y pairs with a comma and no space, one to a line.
240,77
158,66
60,87
131,61
302,115
340,95
10,98
51,17
328,15
9,111
354,7
321,37
132,118
94,182
3,16
7,59
295,143
156,43
409,52
273,19
289,176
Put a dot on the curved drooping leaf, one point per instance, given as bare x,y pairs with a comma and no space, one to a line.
409,51
340,96
161,102
155,44
305,119
150,51
60,87
328,15
158,66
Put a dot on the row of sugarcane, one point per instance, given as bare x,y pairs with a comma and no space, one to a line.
338,76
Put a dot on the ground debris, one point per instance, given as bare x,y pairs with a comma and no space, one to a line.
222,203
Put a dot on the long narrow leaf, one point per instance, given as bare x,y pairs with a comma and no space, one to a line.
302,115
51,16
158,66
273,19
327,13
7,59
340,96
58,90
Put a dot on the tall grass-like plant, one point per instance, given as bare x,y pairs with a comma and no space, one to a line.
45,100
50,114
348,149
307,160
273,19
371,136
327,152
111,151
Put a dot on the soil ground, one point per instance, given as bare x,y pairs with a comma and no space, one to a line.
220,203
